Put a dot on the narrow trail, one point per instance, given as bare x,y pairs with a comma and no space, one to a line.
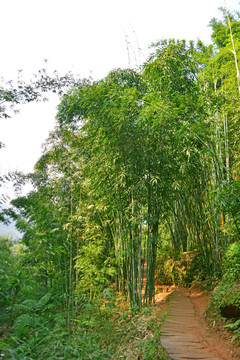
179,330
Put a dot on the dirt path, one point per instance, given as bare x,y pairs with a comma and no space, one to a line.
184,333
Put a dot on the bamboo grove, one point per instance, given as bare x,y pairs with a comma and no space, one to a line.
140,159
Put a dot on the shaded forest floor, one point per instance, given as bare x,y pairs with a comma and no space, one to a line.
142,339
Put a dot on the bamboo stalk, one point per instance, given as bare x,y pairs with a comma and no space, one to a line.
233,45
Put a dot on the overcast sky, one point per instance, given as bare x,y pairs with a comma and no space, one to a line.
87,37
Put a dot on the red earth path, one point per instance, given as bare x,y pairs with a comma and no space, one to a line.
184,334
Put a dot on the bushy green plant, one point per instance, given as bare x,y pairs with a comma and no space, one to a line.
40,330
180,268
227,293
232,261
94,269
235,327
33,316
5,268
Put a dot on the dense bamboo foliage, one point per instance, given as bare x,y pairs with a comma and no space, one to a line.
141,161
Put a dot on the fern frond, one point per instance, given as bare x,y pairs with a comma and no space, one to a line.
43,301
23,324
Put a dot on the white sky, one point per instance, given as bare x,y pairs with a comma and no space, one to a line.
86,37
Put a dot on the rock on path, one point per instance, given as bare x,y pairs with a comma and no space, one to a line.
178,331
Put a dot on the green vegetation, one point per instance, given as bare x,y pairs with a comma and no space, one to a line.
224,306
141,338
142,165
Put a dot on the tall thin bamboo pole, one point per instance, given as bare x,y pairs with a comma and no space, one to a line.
233,45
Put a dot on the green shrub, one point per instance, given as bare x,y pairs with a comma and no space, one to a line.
226,295
180,268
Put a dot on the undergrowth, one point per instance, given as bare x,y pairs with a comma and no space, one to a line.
226,295
142,338
39,332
